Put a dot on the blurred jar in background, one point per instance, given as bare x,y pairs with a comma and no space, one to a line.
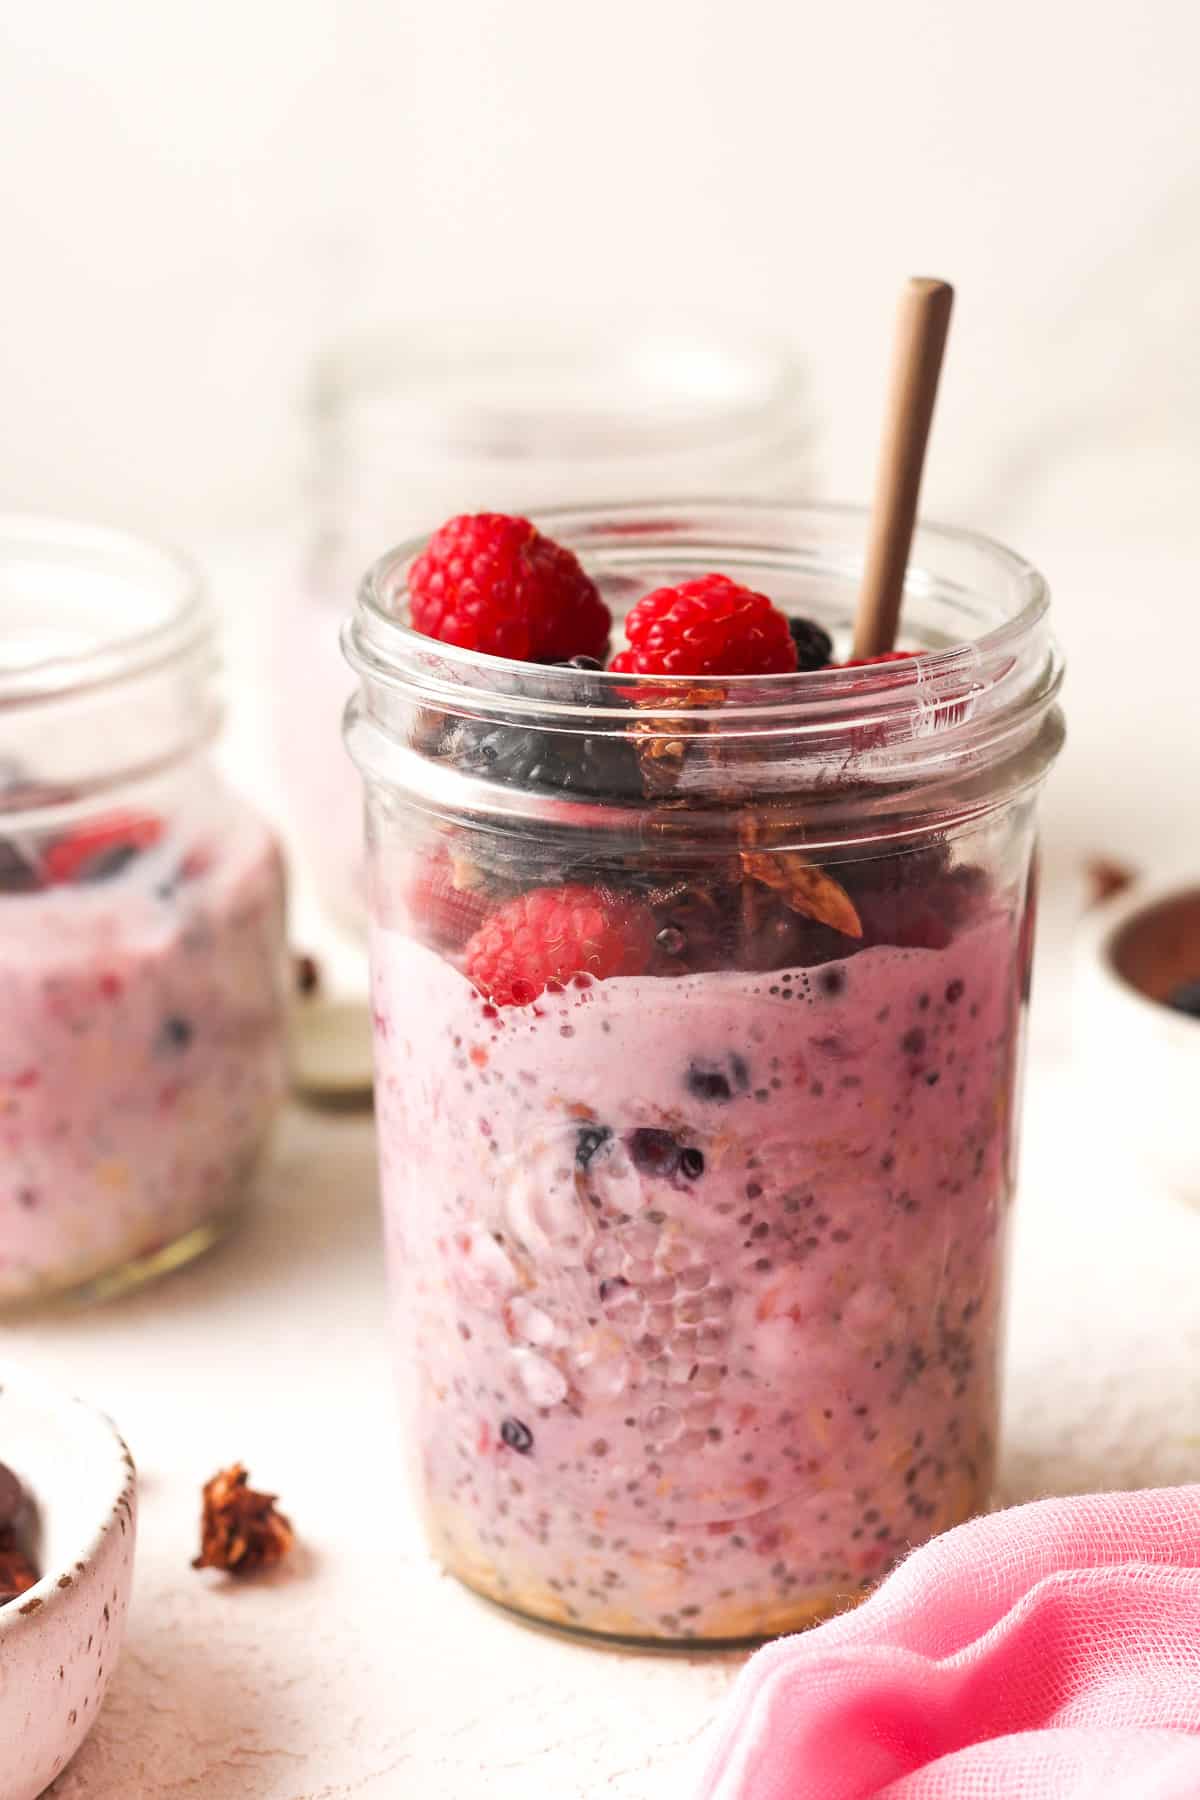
142,935
413,425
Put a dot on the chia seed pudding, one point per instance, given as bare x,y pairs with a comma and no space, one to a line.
698,1278
698,1000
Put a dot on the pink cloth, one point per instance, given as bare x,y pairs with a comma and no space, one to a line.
1051,1652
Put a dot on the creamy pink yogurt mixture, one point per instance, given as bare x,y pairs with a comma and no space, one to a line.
698,1278
141,1051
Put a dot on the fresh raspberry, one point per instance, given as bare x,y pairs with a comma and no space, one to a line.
441,910
101,849
869,662
712,626
552,933
487,582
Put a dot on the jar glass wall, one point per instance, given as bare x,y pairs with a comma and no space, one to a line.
142,946
410,426
698,1250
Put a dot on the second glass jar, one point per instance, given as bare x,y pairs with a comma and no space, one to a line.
142,940
698,1249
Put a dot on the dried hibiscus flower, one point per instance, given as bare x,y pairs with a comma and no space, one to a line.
240,1530
805,888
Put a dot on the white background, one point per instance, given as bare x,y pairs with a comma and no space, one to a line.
194,196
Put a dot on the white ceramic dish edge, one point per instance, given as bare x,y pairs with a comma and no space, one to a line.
59,1642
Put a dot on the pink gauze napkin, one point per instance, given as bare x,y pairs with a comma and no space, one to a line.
1051,1652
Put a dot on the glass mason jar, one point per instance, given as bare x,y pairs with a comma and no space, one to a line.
698,1252
141,922
410,426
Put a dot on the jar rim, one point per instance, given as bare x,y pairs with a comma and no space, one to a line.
381,646
962,724
160,591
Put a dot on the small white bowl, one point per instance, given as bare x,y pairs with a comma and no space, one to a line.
1140,1059
60,1641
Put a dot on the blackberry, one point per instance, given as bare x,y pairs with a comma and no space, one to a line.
597,764
814,646
1186,998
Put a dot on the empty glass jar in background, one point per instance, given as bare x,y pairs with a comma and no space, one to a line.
411,426
142,942
698,1252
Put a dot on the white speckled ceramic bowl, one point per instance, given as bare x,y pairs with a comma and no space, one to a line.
60,1641
1139,1059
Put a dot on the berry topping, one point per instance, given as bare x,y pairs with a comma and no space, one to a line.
517,1436
101,849
444,907
712,626
814,646
870,662
492,583
552,933
1186,998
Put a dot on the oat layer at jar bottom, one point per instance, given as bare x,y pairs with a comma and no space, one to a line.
697,1276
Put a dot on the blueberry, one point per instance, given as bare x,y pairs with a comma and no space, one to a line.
1186,998
654,1152
517,1436
589,1139
814,646
591,665
177,1032
714,1081
691,1162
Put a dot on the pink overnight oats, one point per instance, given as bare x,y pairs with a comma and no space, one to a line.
699,1277
698,1007
142,932
141,1054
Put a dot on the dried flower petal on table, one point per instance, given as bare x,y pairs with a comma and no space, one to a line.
1106,878
806,888
241,1531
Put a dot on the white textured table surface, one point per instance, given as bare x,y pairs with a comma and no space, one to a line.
360,1673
